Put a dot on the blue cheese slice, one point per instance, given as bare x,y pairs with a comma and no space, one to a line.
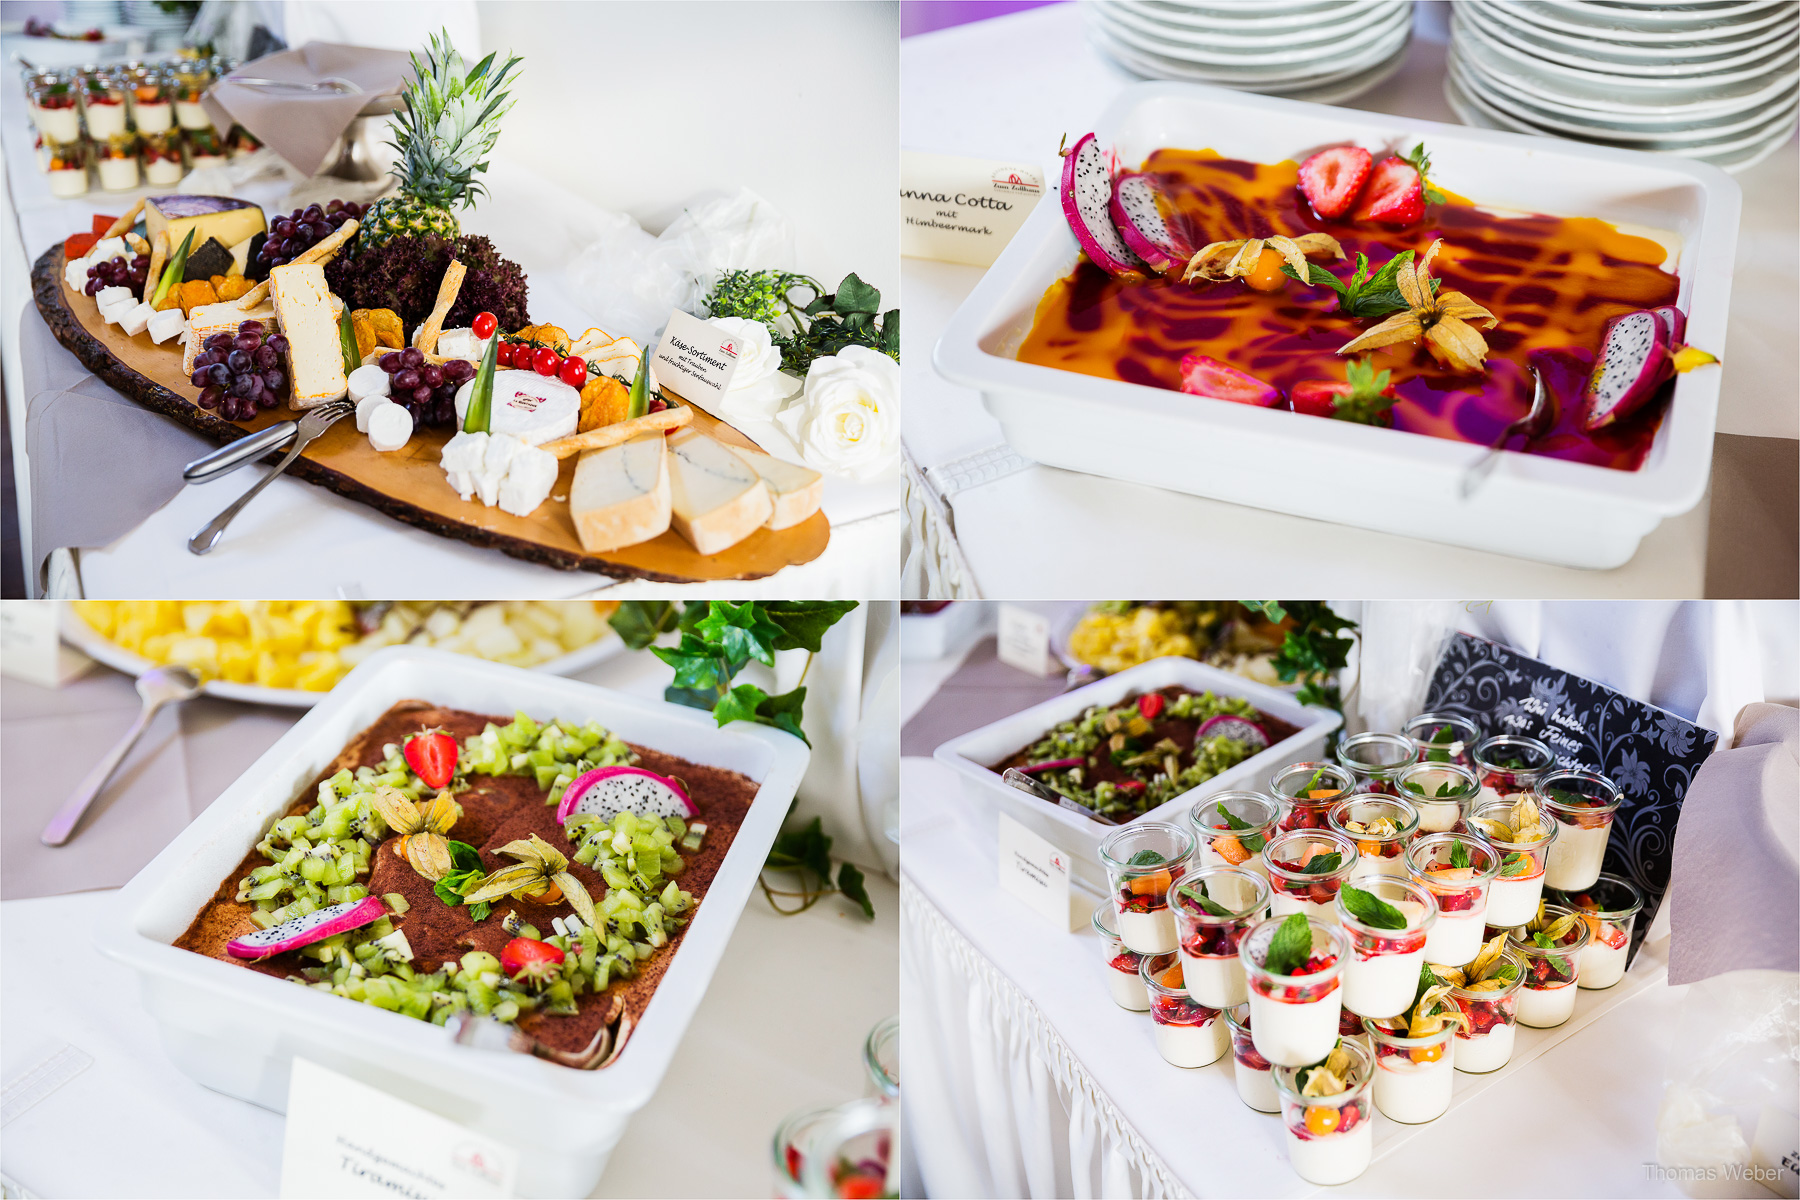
620,495
716,499
531,407
796,490
315,355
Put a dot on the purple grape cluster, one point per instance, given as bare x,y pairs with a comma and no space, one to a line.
295,234
242,372
117,272
427,390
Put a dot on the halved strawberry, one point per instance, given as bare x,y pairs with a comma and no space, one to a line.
531,961
1395,194
1332,178
1203,376
1150,704
432,756
1317,397
1365,396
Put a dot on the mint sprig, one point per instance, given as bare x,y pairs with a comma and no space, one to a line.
1363,296
1321,864
1443,737
1290,947
1197,893
1459,854
1371,909
1255,842
1146,858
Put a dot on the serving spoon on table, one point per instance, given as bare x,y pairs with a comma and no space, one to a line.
157,686
311,426
1533,425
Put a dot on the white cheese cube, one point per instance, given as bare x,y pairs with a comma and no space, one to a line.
370,380
167,324
109,248
502,448
75,273
456,343
716,500
390,427
529,479
620,495
114,312
137,320
462,483
464,452
112,295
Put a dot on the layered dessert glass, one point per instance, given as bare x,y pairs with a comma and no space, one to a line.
160,154
1209,928
1524,837
1443,738
1188,1034
1306,791
1509,764
1610,907
116,162
152,110
1583,805
1231,829
54,108
1294,1012
1458,870
1375,759
1143,861
1306,869
881,1060
191,80
203,149
1413,1075
1550,948
1382,975
1329,1138
1255,1082
1442,792
1123,980
1485,1042
1380,826
65,165
103,106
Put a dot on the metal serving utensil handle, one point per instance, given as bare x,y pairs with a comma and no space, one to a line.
63,824
249,448
311,426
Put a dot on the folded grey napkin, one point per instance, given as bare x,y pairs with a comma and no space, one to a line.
1735,884
983,690
301,125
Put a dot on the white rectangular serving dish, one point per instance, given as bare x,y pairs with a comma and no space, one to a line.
972,755
238,1031
1533,507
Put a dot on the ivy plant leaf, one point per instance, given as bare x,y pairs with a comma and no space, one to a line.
783,712
890,333
701,698
1271,610
808,848
855,296
850,882
739,704
738,632
803,622
696,664
638,622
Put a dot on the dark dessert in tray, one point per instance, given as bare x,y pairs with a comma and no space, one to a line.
445,860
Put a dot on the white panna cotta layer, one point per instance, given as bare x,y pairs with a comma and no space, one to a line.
1512,902
1256,1087
1128,990
1192,1045
1147,932
118,174
1544,1008
1215,982
162,172
1575,857
1489,1052
1414,1092
1293,1035
1600,966
1455,939
105,121
1336,1158
1282,903
1232,893
1374,864
59,125
1382,986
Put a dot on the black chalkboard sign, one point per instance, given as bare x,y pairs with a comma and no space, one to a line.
1649,752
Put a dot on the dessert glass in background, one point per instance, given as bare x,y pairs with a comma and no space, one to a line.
881,1059
1329,1138
1143,861
1461,893
54,108
1413,1075
1380,826
1123,981
1508,764
1443,738
1294,1018
1486,1043
103,106
65,166
1513,896
1296,889
116,162
1375,759
1610,907
1442,792
850,1153
1231,829
1255,1083
1188,1034
1306,791
160,154
1209,939
1548,997
152,110
1583,805
1382,975
192,78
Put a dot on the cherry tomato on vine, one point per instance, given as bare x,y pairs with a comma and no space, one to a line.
546,361
573,371
503,354
484,325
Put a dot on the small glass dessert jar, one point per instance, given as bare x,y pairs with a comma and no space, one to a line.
1231,829
241,141
1209,928
881,1059
1413,1075
1457,870
1143,861
1188,1034
1380,826
1524,837
1294,1017
203,149
1123,981
1610,907
191,79
1306,791
1255,1083
1350,1025
160,154
1583,805
102,104
55,110
1375,759
1306,869
1382,976
1508,764
1329,1139
1551,949
116,162
1442,792
66,168
1443,738
152,108
850,1153
1485,1043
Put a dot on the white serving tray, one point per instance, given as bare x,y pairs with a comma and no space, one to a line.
972,754
1571,514
238,1031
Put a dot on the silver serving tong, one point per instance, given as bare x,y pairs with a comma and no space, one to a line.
1014,777
335,84
311,426
1532,425
232,455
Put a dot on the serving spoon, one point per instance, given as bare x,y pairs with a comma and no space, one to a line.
1533,425
157,686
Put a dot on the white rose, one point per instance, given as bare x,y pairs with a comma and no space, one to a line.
847,419
757,386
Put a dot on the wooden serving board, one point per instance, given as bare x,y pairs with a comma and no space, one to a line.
408,484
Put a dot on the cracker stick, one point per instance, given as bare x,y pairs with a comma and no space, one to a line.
125,222
159,257
427,337
323,252
620,431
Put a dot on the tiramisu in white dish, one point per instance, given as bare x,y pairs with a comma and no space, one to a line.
1550,945
1380,826
1583,805
1123,981
1442,792
1487,991
1208,930
1188,1034
1294,965
1524,836
1143,861
1230,830
1457,869
1326,1108
1388,921
1610,907
1306,869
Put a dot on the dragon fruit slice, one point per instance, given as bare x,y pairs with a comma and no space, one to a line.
1238,729
1674,323
1633,360
1139,220
1087,202
1203,376
605,792
304,931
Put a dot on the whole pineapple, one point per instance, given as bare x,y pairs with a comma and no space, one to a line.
443,135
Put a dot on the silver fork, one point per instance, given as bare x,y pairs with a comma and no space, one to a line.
311,426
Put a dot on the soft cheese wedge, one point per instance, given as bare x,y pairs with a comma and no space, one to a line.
621,495
716,499
531,407
797,491
222,217
315,355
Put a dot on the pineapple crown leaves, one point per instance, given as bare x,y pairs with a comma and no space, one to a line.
451,121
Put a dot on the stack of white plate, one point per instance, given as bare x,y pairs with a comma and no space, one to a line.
1713,80
165,29
1323,51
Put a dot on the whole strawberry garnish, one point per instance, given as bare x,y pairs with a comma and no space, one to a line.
1150,704
1332,179
1365,396
1395,194
533,962
432,756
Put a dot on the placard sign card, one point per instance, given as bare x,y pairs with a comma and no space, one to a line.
1024,640
963,210
345,1138
1036,872
695,360
1649,752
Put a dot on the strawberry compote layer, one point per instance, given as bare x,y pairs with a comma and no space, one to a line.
1553,282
